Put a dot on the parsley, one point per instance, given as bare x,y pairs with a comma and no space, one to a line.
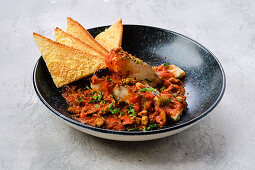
138,62
151,126
171,100
80,100
102,118
132,129
144,129
94,92
87,87
110,105
149,81
121,112
97,106
113,111
109,79
148,89
162,89
96,98
131,110
166,65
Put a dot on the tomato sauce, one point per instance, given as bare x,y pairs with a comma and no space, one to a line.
146,108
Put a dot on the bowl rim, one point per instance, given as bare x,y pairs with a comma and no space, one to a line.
166,129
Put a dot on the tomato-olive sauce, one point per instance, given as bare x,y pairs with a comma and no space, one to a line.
142,107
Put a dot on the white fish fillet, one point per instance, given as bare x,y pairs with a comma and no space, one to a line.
125,64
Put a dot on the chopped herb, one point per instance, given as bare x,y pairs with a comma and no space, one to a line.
144,129
102,110
138,62
131,110
80,100
166,65
109,79
121,112
97,106
96,98
94,92
171,100
102,118
149,81
162,88
111,96
132,129
151,126
148,89
110,105
87,87
113,111
133,115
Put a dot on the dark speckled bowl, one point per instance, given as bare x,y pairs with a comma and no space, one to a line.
205,82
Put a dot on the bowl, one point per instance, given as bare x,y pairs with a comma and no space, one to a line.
205,79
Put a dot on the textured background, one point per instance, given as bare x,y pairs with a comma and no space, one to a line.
31,137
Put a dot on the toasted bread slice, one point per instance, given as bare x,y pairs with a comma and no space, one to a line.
111,37
68,40
78,31
66,64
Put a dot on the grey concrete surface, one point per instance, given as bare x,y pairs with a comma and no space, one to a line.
31,137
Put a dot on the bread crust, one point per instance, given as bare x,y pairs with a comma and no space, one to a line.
69,40
64,63
111,37
78,31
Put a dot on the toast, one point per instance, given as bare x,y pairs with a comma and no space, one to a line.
64,63
78,31
68,40
111,37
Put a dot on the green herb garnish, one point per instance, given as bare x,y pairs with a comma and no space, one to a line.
121,112
96,98
113,111
97,106
151,126
132,129
79,99
109,79
171,100
138,62
87,87
94,92
102,118
166,65
149,81
131,110
162,88
110,105
148,89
